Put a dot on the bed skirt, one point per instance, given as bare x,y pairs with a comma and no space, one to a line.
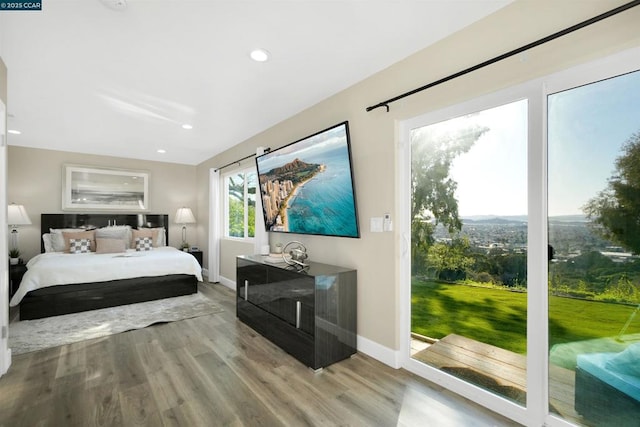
66,299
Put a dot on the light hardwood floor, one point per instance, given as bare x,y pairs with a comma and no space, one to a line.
214,370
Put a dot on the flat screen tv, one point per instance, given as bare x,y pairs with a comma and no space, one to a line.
307,186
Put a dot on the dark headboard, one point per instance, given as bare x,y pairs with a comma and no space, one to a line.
92,220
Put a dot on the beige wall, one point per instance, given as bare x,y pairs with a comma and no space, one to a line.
374,134
35,181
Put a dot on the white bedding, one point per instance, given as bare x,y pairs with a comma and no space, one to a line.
50,269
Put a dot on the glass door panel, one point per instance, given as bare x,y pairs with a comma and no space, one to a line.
469,248
594,238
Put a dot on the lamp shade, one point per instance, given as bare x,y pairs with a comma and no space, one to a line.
17,215
185,216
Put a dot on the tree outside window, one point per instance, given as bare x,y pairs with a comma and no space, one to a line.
240,189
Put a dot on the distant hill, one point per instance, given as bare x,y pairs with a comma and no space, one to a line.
514,219
494,219
569,218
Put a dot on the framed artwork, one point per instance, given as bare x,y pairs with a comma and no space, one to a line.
93,188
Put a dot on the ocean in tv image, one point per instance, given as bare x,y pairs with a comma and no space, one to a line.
325,205
322,202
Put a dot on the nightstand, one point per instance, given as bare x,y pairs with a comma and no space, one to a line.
15,277
197,255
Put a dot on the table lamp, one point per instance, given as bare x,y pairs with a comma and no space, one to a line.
184,216
16,216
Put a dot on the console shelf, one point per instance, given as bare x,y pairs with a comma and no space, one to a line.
309,313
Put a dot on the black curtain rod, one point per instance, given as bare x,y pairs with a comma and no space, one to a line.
266,150
543,40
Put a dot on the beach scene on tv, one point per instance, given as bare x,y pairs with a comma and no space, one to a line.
306,187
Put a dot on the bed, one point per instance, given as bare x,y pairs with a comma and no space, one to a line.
608,387
101,272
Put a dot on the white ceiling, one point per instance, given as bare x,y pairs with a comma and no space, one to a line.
89,79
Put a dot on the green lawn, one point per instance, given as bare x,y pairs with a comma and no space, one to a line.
498,317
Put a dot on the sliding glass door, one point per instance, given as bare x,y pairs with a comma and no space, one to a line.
521,247
594,232
469,247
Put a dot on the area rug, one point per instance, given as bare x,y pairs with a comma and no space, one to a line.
31,335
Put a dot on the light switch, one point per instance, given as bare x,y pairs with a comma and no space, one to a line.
376,224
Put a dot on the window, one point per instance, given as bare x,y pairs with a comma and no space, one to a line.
240,204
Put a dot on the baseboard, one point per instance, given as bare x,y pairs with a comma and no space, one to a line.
228,283
5,361
379,352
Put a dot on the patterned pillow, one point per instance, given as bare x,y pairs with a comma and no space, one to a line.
144,243
91,235
139,234
79,246
58,242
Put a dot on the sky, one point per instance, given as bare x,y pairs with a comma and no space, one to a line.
587,127
492,175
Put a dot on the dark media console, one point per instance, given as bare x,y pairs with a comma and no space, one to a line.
309,313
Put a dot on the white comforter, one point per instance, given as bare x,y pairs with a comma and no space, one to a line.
50,269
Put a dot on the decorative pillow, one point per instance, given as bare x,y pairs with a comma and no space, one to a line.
79,235
144,244
122,232
626,362
110,246
140,233
159,237
47,239
57,239
79,246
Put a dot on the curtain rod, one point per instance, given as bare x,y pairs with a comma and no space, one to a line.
266,150
539,42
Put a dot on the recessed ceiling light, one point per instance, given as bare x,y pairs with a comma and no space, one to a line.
187,126
260,55
14,132
162,151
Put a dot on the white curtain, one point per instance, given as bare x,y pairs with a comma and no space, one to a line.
261,240
215,227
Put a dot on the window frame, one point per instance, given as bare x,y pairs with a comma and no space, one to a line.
225,214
